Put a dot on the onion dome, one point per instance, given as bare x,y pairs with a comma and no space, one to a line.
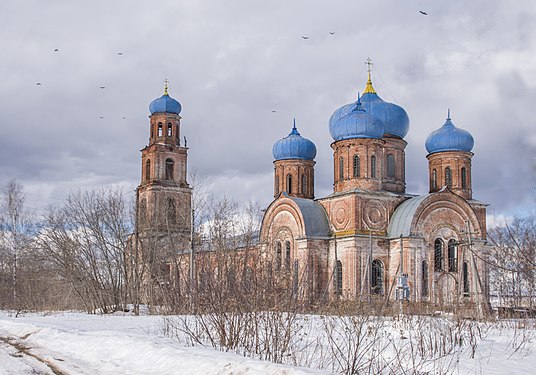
449,138
353,121
165,104
294,146
394,117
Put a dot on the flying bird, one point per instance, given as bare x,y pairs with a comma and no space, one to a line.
124,118
332,32
305,37
103,87
38,84
101,117
424,13
273,111
56,50
120,53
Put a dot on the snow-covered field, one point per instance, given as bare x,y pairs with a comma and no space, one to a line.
78,343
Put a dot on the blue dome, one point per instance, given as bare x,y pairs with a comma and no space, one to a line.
449,138
165,104
352,121
393,117
294,146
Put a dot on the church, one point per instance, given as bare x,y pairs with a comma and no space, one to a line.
369,239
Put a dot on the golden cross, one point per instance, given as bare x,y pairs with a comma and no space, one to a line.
166,86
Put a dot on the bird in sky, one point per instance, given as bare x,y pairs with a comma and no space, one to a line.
273,111
124,118
424,13
305,37
38,84
103,87
120,53
101,117
56,50
332,32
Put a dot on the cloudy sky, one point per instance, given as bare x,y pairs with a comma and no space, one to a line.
232,63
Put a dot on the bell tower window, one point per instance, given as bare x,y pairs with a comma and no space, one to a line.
170,166
169,129
303,184
357,171
448,177
341,168
434,180
464,178
276,183
373,166
289,183
159,129
148,170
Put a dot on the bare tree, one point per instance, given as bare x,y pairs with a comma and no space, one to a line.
86,240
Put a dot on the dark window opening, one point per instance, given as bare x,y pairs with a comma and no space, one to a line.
434,180
376,282
169,129
438,255
464,178
448,177
357,168
303,184
289,184
373,166
341,168
453,261
465,277
276,183
159,129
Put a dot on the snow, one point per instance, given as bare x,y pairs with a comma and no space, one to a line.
78,343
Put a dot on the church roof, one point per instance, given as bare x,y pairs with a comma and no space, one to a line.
294,146
449,138
314,217
400,224
165,104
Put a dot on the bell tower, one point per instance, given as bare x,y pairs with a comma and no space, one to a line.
164,198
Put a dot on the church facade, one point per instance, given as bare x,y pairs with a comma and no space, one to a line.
369,239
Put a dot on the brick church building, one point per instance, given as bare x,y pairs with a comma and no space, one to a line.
369,239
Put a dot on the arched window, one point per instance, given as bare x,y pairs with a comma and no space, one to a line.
170,166
276,187
373,166
448,177
172,211
287,255
338,278
434,180
376,282
278,256
357,167
424,279
169,129
303,184
464,178
152,131
465,278
438,255
148,170
341,168
289,183
391,166
451,250
159,129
